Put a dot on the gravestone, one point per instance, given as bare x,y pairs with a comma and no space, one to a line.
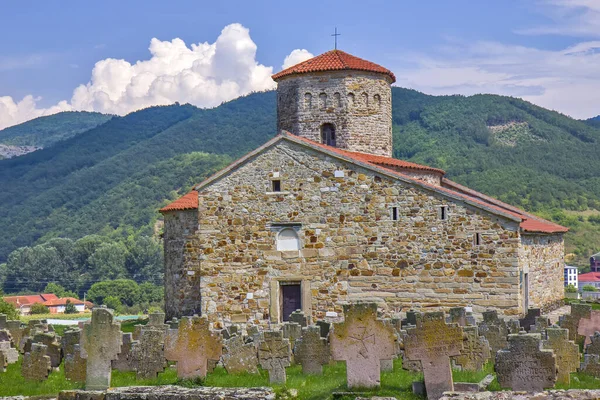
362,341
312,351
137,332
589,326
410,320
125,361
10,353
571,321
529,318
541,323
53,347
254,335
240,357
3,362
291,331
192,345
36,364
75,365
101,341
274,355
324,328
299,318
591,365
174,323
514,326
594,346
16,330
3,321
5,335
494,329
565,351
524,366
475,353
457,315
230,331
433,342
70,339
149,352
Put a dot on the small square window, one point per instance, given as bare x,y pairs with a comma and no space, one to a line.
444,213
276,185
394,213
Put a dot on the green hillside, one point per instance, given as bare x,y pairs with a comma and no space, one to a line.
118,174
45,131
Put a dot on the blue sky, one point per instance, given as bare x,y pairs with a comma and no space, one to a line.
542,50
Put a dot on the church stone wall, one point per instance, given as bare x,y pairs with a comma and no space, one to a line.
358,104
542,257
350,247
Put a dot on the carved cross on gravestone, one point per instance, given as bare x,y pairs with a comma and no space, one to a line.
589,326
475,352
524,366
571,321
75,366
192,345
565,350
274,355
494,329
36,364
529,318
362,341
312,351
101,341
239,356
149,352
433,342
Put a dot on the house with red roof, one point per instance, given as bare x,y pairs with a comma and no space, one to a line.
24,303
322,215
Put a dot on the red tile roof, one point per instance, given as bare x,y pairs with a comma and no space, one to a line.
62,301
30,299
334,60
187,202
589,277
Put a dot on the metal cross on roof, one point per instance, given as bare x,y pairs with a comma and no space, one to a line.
335,35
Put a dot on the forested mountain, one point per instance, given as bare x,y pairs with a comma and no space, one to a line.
118,174
45,131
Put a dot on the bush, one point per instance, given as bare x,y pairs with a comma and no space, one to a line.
589,288
125,290
59,291
8,309
38,308
570,289
113,302
70,308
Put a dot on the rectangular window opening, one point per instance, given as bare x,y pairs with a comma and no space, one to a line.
290,299
394,213
276,185
444,213
477,239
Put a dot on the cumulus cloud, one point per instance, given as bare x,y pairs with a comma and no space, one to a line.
204,74
296,57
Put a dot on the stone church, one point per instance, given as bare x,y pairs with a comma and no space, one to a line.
321,215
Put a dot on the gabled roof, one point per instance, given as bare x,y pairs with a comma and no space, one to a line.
528,223
589,277
334,60
30,299
63,301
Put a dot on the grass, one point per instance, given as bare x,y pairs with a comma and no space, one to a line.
29,317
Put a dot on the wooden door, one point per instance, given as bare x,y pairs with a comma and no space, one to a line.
291,300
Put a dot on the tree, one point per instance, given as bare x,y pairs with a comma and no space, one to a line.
59,291
126,290
113,302
108,261
38,308
8,309
70,308
589,288
570,289
150,293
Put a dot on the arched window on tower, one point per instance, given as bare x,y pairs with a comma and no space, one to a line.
288,240
328,134
308,101
365,99
338,100
377,99
350,99
322,101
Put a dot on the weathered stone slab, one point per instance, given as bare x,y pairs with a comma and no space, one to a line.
529,318
230,331
3,320
589,326
594,346
591,365
36,364
513,326
410,320
53,346
5,335
291,331
16,329
541,323
457,315
524,365
362,341
494,330
312,351
172,393
149,352
274,355
324,327
70,339
192,345
433,342
565,351
101,341
475,353
240,357
578,394
299,318
10,353
571,321
125,361
3,362
75,366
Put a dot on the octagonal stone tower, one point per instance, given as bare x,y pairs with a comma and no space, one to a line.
339,100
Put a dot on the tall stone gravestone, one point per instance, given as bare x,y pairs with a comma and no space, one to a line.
70,338
312,351
10,353
475,353
16,330
495,330
589,326
192,345
524,366
433,342
274,355
571,321
101,341
36,364
362,341
125,361
565,351
239,356
291,331
149,352
75,365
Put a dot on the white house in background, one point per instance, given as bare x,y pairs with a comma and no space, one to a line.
58,306
571,276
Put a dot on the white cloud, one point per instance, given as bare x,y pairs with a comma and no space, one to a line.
296,57
204,74
570,17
